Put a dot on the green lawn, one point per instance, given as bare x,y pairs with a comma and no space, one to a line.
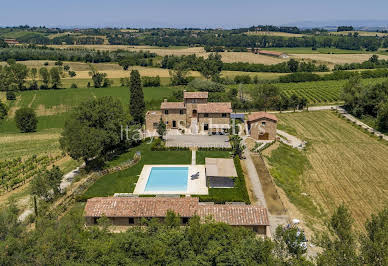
221,195
201,155
53,106
124,181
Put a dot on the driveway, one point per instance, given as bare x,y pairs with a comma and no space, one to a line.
204,141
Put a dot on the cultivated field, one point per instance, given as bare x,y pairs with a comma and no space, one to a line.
316,92
345,164
336,58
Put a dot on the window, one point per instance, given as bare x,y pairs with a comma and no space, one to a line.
95,220
181,112
223,115
185,220
263,124
206,115
131,220
166,112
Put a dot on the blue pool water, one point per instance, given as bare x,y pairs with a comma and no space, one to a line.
167,179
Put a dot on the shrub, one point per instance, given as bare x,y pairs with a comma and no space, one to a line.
72,74
243,79
150,81
205,85
73,86
159,145
26,120
11,95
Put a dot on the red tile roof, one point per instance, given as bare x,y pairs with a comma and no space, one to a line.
270,53
172,105
235,214
260,115
140,207
214,108
195,95
185,207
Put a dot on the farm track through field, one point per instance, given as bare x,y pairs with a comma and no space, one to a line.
346,165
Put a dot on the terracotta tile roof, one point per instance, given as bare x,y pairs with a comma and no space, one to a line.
140,207
185,207
235,214
260,115
270,53
195,95
214,107
172,105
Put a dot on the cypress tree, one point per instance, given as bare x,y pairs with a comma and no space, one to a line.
136,102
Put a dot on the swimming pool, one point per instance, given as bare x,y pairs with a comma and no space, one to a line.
167,179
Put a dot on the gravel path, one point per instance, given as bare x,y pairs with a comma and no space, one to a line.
257,189
66,182
358,122
291,140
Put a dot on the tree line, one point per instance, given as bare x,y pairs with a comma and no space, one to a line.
228,39
56,241
372,63
365,101
13,77
32,52
285,67
194,62
335,75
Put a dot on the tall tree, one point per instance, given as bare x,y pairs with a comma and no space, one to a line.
94,129
3,110
55,77
339,248
19,74
374,244
136,104
45,76
211,67
26,120
161,128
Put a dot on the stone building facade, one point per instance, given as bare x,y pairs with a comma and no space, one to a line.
195,112
262,126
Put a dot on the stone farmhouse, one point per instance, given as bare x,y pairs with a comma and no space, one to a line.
262,126
195,114
130,211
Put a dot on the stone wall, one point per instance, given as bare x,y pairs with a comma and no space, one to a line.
263,132
213,119
152,119
174,115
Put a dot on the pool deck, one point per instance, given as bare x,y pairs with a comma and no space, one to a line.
195,186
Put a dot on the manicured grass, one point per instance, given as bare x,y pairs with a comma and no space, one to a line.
237,194
201,155
124,181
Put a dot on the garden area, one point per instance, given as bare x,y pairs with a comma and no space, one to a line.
125,181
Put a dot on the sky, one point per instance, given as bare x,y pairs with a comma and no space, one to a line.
183,13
